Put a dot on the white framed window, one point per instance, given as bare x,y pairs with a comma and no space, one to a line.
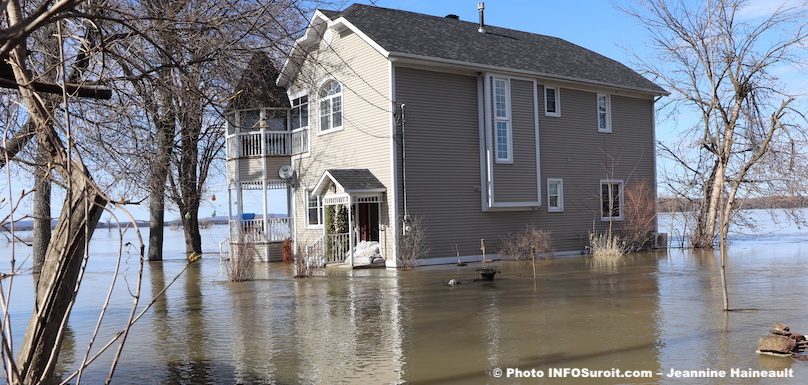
604,113
299,117
611,200
552,101
314,210
503,136
330,106
555,195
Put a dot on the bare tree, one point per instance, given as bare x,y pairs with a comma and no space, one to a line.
639,215
724,67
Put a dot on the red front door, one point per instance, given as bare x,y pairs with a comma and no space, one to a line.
368,221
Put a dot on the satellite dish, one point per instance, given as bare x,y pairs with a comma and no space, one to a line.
286,172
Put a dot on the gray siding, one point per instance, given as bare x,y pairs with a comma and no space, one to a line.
516,182
574,150
443,161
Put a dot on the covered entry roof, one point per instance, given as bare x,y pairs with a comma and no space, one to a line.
350,180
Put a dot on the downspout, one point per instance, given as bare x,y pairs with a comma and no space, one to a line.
406,227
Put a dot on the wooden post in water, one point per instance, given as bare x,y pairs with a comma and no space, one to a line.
722,247
482,248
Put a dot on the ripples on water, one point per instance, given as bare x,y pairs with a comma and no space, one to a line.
654,311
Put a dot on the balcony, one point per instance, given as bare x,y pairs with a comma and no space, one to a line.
263,132
267,143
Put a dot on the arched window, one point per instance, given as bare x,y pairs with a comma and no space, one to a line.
330,106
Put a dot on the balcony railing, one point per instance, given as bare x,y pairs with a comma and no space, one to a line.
300,140
267,143
253,229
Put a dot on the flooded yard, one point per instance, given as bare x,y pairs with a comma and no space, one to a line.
657,311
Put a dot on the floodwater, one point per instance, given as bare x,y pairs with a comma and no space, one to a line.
657,311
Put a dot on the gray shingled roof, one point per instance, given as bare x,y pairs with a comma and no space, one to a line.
356,179
439,37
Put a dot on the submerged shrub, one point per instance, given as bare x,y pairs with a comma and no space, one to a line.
413,245
286,250
239,267
529,243
606,247
305,265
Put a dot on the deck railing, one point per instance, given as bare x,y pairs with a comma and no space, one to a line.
300,140
277,229
336,247
273,143
330,248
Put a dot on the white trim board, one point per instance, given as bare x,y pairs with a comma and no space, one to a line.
488,258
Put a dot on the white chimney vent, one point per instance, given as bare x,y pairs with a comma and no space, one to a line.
481,8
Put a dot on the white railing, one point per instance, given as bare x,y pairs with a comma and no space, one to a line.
253,229
277,142
278,229
300,140
315,251
224,249
331,248
249,143
336,247
274,143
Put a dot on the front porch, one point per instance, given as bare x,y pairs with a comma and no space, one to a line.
352,207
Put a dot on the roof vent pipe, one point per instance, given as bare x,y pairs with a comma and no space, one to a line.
481,8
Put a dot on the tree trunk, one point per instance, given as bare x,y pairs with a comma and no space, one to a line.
56,289
157,189
193,240
709,210
156,224
41,210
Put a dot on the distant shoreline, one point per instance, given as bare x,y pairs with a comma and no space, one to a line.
671,204
28,225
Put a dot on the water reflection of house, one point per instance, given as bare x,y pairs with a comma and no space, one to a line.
476,130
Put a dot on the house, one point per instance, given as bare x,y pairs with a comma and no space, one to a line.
475,130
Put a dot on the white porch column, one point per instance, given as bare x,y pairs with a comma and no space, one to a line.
229,211
290,213
350,232
263,125
266,216
239,209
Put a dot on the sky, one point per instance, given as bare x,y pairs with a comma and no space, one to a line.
596,25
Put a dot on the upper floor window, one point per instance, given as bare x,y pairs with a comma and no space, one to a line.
330,106
555,195
604,113
300,112
552,105
611,200
502,121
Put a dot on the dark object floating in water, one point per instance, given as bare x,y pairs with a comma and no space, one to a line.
487,274
781,342
462,264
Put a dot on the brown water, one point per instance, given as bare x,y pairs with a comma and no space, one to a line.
657,311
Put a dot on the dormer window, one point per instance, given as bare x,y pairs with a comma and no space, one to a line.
330,106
